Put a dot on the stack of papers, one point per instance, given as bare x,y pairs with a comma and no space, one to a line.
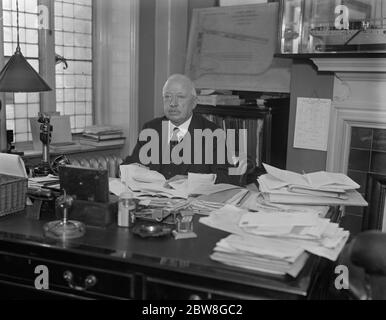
266,255
225,194
39,182
274,241
317,188
204,207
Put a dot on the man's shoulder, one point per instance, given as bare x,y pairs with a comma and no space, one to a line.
156,122
198,121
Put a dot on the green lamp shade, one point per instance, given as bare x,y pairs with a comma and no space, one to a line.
19,76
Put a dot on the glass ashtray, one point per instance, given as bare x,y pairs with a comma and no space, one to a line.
151,230
64,230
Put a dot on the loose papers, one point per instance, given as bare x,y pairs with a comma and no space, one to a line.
320,180
146,182
140,174
317,188
266,234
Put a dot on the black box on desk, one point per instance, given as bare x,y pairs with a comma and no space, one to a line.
95,214
88,184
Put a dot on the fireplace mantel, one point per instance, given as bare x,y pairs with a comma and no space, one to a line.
347,64
358,100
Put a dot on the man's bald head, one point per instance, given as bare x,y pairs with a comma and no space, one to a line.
182,79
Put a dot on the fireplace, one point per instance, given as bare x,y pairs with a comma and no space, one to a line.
357,137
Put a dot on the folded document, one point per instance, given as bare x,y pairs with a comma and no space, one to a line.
317,188
352,198
321,180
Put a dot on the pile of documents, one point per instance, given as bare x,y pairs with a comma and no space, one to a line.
209,202
41,182
246,252
317,188
275,241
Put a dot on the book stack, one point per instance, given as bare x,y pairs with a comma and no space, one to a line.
219,100
102,136
317,188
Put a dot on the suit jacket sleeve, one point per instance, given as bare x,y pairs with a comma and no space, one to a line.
219,168
222,170
134,157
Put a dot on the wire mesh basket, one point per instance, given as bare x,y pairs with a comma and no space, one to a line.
12,194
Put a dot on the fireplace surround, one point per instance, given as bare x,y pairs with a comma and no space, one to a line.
357,135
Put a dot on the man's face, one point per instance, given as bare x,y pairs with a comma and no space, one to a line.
178,102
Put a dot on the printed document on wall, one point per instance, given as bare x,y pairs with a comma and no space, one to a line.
312,123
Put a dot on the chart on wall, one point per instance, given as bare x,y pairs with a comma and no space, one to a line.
233,48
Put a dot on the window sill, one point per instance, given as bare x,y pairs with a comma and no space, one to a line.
29,152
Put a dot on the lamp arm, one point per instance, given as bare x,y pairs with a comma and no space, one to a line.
61,59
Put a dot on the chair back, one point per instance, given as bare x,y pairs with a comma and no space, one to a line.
365,258
109,162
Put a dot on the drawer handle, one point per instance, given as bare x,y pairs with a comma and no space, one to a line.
89,282
194,297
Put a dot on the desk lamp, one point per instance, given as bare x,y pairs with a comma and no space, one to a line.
18,75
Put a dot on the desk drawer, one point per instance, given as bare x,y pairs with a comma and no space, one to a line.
159,289
68,279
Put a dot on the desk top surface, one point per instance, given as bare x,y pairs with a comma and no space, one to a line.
189,256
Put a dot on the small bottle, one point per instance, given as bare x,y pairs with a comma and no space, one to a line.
126,210
185,221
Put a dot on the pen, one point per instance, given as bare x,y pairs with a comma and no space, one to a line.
242,198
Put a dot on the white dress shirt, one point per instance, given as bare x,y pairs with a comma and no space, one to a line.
183,129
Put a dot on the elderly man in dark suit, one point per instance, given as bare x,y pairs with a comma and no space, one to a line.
177,143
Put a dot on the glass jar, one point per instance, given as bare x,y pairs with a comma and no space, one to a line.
126,210
185,221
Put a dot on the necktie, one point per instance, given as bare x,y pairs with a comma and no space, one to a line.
174,138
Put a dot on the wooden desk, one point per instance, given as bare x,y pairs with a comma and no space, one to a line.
126,266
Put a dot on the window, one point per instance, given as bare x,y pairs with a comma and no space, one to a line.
73,41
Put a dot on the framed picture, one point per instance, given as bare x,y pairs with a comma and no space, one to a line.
375,213
233,48
332,26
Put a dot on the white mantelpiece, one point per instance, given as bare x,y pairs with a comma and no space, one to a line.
351,64
359,100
